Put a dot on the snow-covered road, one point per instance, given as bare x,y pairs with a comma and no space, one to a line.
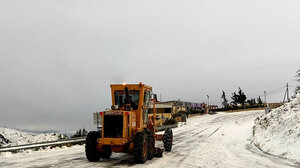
222,140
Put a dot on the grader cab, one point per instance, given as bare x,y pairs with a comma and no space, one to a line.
127,127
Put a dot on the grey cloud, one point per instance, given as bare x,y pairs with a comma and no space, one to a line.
59,57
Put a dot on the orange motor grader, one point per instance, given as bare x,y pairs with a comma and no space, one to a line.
127,127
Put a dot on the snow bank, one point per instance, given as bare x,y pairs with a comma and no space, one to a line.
10,137
278,132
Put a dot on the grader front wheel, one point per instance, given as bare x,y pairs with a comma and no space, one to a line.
91,151
140,150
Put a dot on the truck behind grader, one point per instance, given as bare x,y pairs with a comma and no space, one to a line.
127,127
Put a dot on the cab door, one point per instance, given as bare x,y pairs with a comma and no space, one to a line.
146,106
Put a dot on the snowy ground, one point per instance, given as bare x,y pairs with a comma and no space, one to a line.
221,140
17,137
278,132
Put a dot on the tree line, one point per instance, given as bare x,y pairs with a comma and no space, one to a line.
239,99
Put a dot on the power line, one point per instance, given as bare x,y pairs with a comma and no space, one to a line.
276,90
292,86
273,91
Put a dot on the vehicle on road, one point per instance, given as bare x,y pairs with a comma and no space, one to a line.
126,127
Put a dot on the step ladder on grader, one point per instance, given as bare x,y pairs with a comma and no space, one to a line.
127,128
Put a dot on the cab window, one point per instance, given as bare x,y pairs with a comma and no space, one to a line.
134,96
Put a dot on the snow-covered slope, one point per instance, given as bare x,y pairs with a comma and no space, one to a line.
278,132
15,137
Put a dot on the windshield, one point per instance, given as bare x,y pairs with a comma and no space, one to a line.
133,96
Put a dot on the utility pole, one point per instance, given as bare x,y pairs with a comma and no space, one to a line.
287,91
207,104
286,94
207,100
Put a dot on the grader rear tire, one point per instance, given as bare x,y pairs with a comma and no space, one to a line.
91,151
168,139
140,150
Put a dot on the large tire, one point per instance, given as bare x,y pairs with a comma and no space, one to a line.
151,144
91,151
168,139
106,153
140,150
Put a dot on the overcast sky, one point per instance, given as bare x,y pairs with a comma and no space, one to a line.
58,57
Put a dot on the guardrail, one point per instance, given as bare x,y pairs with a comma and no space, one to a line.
72,141
43,144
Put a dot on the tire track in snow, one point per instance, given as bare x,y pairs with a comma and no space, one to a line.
188,140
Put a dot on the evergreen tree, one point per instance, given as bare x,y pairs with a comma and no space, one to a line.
241,97
225,101
84,132
234,98
259,101
251,102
